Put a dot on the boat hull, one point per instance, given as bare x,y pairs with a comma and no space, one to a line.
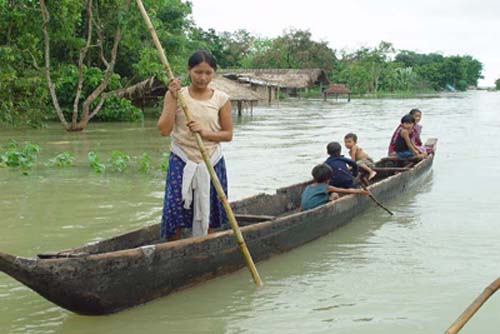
108,282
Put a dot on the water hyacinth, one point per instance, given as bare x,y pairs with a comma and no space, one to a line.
164,161
144,163
118,161
22,158
64,159
94,162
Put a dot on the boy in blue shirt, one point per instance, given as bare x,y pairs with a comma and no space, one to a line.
319,192
343,178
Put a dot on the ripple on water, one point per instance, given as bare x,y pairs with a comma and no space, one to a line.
402,274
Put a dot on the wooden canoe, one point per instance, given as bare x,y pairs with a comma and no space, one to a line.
136,267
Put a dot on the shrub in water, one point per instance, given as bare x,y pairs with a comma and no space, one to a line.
22,158
164,162
94,162
118,161
64,159
144,163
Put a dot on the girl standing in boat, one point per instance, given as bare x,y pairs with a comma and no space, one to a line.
190,198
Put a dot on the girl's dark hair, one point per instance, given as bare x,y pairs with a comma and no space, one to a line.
351,136
201,56
414,111
333,148
322,173
407,119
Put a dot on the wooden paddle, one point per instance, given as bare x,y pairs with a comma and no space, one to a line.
369,193
474,307
215,179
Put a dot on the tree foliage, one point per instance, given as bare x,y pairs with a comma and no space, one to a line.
295,49
23,96
95,47
380,69
82,35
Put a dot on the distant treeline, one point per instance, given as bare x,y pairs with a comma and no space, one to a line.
84,64
366,70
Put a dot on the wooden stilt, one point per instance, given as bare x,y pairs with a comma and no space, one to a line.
240,103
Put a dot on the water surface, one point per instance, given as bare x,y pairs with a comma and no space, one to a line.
413,272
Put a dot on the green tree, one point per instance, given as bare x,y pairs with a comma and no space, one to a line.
211,41
296,49
432,74
462,85
497,84
237,46
23,95
259,47
356,76
367,70
88,29
473,70
405,78
137,56
453,70
99,39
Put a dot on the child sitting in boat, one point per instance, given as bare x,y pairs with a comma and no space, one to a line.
344,169
359,155
404,146
417,130
319,192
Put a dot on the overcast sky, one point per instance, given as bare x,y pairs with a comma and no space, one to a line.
448,26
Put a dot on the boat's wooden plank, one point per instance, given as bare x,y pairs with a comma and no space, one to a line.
253,218
412,159
58,255
390,169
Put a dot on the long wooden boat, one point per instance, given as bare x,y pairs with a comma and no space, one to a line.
136,267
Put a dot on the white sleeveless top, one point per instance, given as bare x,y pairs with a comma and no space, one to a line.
206,112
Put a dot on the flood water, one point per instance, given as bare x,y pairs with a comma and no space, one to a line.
413,272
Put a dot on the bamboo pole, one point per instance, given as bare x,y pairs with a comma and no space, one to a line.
370,194
376,201
215,179
474,307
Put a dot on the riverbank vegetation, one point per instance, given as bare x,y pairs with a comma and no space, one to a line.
63,60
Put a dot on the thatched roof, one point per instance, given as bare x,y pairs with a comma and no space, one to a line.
153,88
148,88
280,77
337,89
236,91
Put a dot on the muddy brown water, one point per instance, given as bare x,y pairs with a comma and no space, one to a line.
414,272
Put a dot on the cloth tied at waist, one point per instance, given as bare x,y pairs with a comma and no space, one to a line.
196,188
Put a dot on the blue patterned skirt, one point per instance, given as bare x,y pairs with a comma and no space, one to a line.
174,214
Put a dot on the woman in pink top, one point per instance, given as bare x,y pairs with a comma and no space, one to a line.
190,199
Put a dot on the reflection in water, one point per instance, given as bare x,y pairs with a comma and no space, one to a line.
413,272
